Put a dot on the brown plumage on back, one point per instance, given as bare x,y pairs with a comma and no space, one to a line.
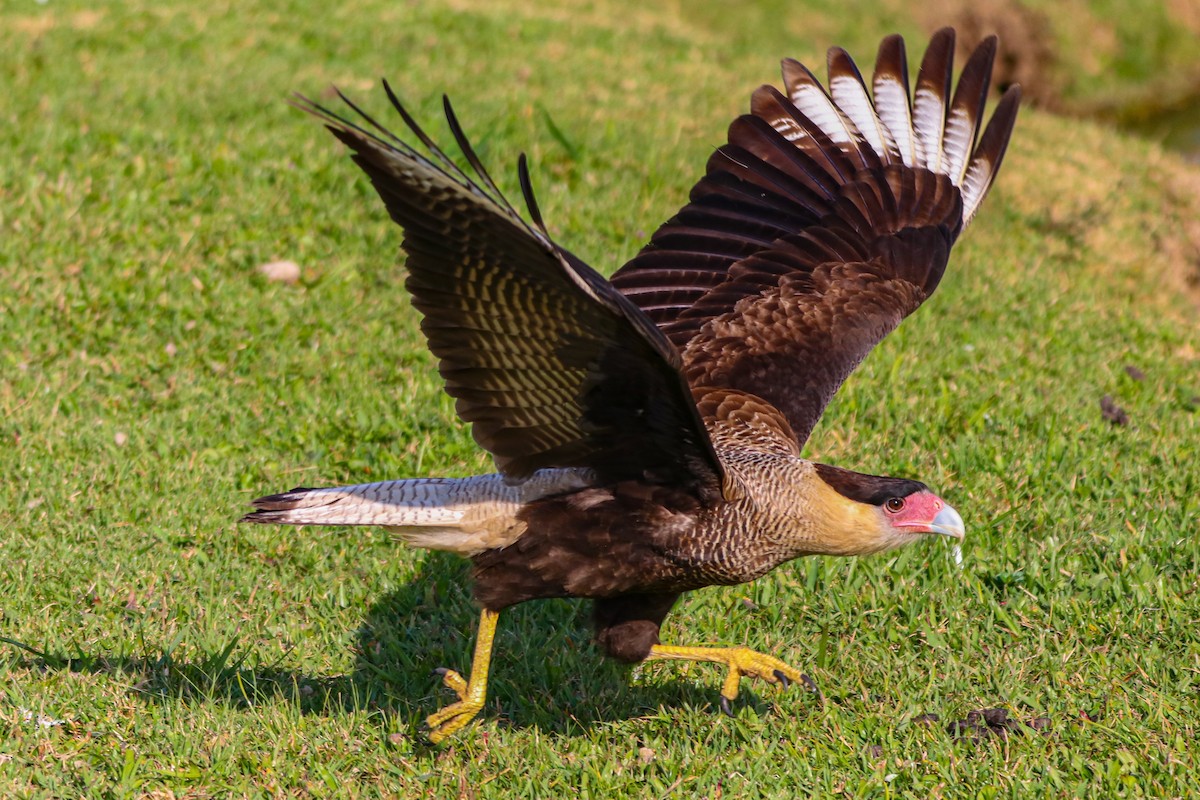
647,430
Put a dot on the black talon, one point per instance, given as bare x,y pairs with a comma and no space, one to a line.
811,685
783,679
725,707
440,672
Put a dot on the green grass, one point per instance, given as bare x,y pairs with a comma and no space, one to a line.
151,383
1124,59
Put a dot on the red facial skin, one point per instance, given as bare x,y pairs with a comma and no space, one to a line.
919,513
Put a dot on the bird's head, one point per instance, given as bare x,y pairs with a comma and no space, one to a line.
868,513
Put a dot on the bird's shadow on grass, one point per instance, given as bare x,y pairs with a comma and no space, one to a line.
545,671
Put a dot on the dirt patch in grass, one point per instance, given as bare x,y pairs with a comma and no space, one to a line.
1180,241
1026,54
1118,211
986,723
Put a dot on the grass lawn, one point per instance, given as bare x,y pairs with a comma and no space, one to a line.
152,382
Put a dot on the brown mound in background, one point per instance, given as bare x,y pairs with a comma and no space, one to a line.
1026,53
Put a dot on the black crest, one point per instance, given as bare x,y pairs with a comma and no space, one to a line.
871,489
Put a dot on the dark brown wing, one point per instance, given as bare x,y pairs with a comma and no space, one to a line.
825,220
550,364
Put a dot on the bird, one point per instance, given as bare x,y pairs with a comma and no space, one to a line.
647,429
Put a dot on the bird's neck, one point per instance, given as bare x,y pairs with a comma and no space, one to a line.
789,506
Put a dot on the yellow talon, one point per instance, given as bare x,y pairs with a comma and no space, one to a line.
453,681
741,661
472,692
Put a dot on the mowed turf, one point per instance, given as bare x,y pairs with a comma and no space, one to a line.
152,382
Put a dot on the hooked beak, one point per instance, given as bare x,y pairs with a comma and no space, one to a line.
948,523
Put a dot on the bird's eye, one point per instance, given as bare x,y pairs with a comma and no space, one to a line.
895,504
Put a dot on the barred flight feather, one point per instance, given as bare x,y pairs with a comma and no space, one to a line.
984,164
849,94
929,99
584,379
810,99
844,185
892,102
966,110
832,164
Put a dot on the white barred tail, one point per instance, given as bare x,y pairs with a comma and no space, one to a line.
462,515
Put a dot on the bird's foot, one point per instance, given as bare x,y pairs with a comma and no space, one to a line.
453,681
744,662
741,662
456,716
471,693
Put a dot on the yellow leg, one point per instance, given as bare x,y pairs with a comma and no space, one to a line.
741,661
471,693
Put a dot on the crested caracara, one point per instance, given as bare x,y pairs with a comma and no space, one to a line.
647,430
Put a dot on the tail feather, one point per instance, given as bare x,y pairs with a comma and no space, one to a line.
463,515
389,503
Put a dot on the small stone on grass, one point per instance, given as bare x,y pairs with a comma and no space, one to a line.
281,271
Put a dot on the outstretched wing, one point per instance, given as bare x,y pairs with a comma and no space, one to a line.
826,219
550,365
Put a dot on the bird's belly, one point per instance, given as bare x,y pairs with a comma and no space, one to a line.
542,565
